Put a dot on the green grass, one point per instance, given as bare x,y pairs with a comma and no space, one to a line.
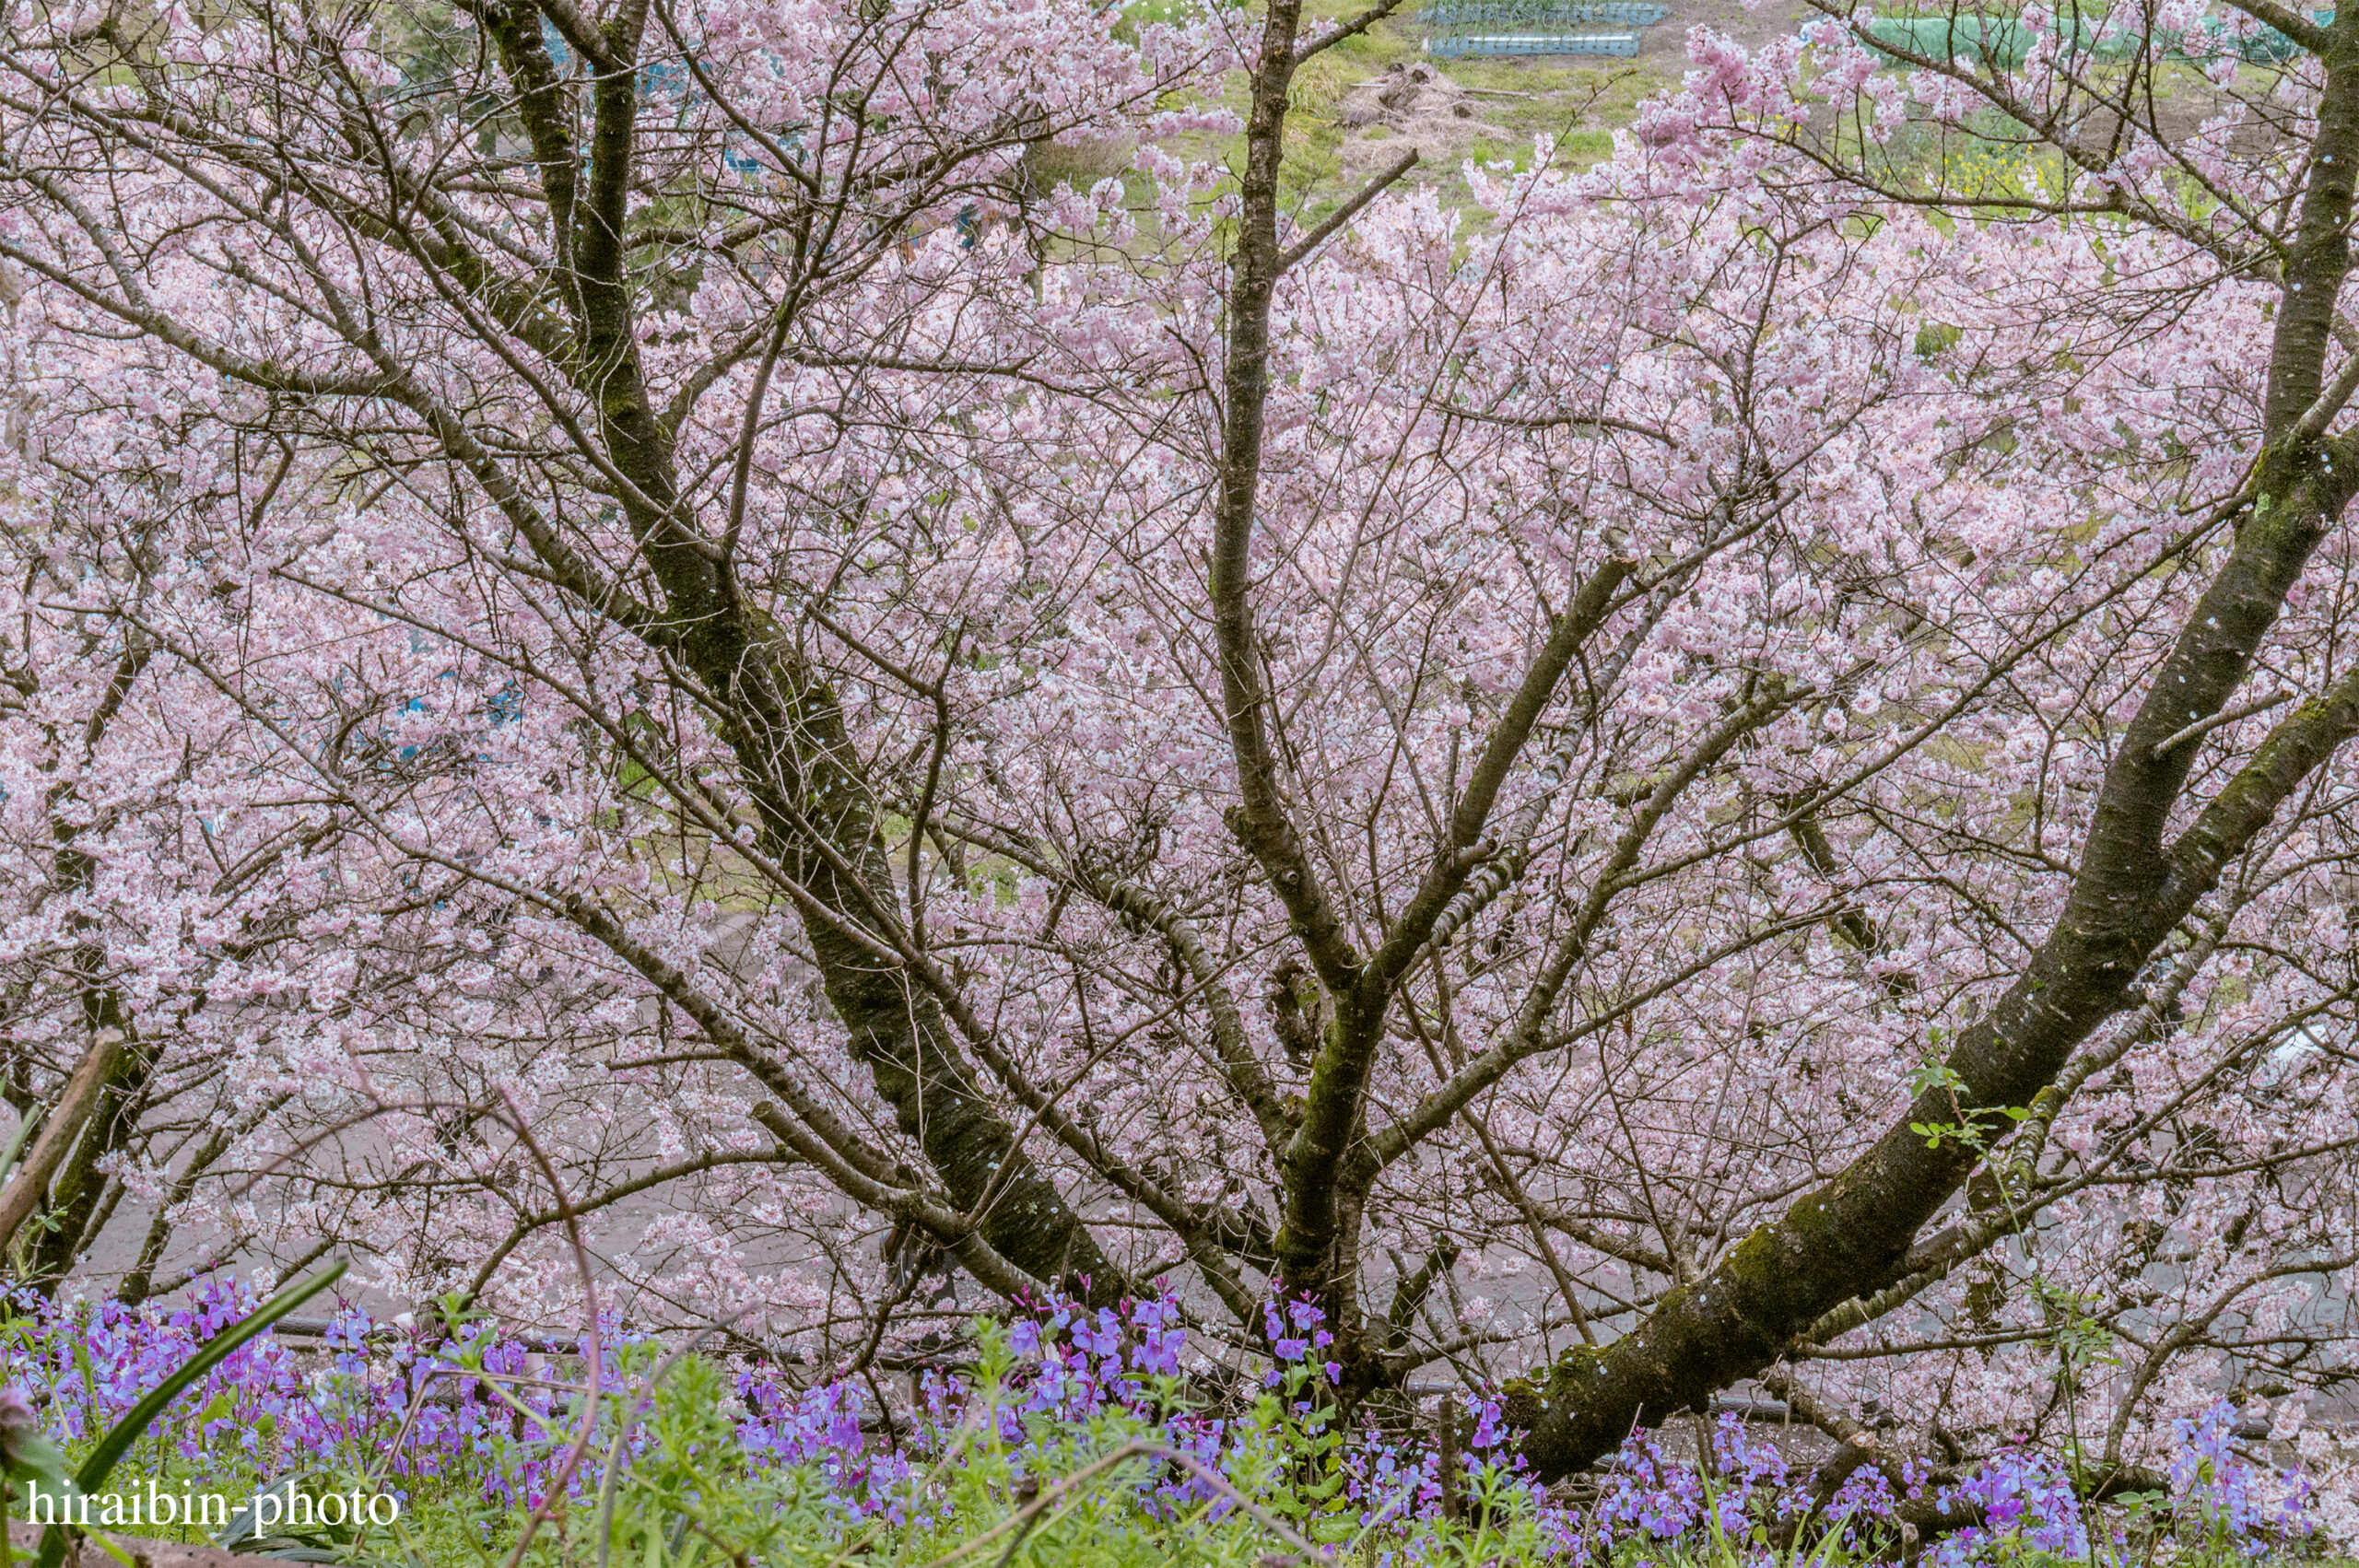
1573,99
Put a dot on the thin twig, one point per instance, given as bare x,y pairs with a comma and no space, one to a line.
593,1353
2227,716
1348,211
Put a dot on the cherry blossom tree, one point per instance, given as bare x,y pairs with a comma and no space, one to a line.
1719,766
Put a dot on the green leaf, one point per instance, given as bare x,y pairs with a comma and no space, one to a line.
220,1405
89,1375
38,1458
17,1144
112,1550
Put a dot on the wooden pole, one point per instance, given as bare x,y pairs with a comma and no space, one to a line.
26,1194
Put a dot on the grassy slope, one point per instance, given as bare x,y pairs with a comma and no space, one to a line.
1579,101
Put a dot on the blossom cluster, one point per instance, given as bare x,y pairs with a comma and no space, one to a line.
365,805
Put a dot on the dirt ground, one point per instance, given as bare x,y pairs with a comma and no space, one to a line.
1667,40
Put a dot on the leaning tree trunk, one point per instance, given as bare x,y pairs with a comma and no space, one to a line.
784,724
2131,889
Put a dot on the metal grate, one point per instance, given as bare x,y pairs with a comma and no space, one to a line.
1459,28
